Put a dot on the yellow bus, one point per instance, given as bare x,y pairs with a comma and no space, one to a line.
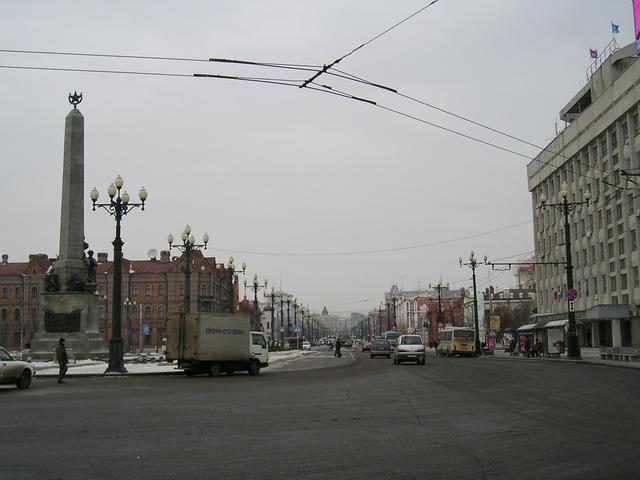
456,341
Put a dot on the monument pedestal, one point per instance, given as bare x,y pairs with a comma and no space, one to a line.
74,316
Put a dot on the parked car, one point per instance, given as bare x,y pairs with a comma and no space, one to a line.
380,348
409,347
15,371
306,345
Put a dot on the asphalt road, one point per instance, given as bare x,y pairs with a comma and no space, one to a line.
321,417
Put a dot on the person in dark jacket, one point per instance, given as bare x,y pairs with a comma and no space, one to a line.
62,359
338,346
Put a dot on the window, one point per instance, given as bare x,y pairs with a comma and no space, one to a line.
611,252
636,125
604,284
608,216
623,264
623,281
147,312
18,292
625,299
621,246
615,159
134,291
5,292
182,289
635,276
625,133
614,300
609,233
203,289
634,241
620,229
602,255
17,315
603,147
161,290
614,284
612,267
101,290
619,211
34,292
605,166
614,139
147,290
161,312
599,218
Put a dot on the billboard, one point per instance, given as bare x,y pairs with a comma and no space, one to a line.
494,322
636,22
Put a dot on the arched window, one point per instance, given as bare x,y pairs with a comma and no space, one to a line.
5,292
161,290
101,290
147,313
18,292
17,315
147,290
34,292
203,289
134,291
5,315
161,312
182,289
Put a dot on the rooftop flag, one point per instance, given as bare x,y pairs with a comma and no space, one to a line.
593,53
615,28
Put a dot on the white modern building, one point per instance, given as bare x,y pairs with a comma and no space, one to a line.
597,152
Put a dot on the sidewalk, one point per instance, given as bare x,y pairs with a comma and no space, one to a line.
94,368
590,356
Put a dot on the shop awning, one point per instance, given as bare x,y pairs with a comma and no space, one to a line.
528,328
559,323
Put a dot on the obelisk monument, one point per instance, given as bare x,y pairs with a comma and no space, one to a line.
69,305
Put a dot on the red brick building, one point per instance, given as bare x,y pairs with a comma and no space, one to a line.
152,290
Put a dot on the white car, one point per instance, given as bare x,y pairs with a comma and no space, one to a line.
306,345
409,348
16,372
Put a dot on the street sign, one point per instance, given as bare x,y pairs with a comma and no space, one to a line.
492,333
572,305
281,329
297,329
572,294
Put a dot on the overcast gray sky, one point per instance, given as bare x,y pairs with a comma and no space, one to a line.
294,182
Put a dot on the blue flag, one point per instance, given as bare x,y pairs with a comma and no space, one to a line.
615,28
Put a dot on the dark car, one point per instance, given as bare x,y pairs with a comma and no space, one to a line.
380,348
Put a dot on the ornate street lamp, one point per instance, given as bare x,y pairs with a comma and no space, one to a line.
573,347
231,267
272,296
118,206
439,286
473,263
255,322
188,245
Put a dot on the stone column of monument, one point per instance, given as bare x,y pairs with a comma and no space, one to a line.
69,304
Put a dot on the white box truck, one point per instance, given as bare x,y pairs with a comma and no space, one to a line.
214,343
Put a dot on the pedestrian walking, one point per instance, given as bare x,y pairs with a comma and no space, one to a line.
338,346
62,359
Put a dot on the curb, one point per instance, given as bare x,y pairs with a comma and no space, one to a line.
563,360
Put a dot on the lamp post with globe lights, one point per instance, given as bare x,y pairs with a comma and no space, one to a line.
255,286
565,207
188,245
473,263
231,267
118,206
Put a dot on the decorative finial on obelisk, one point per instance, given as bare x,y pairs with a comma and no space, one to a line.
75,99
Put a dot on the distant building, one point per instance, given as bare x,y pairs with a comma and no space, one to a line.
151,291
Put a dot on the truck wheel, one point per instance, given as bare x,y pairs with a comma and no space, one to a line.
215,370
254,368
